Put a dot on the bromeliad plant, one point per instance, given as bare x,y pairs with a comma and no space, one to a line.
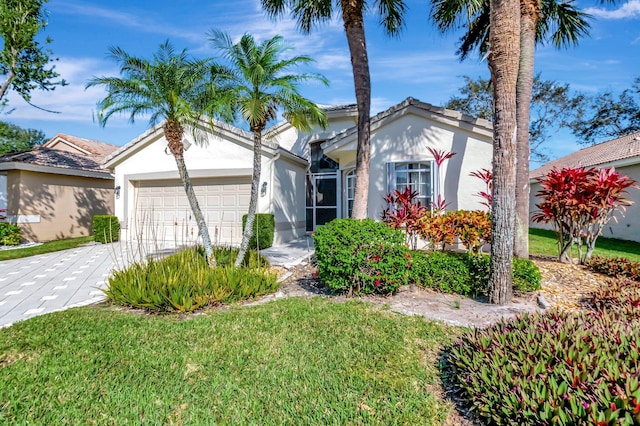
403,212
579,202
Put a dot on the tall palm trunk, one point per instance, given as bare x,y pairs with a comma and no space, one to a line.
528,20
504,54
253,202
173,132
354,28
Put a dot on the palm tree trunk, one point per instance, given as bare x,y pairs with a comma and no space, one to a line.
253,202
173,132
504,39
528,20
354,28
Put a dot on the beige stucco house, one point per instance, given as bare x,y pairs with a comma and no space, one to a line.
622,153
53,191
307,178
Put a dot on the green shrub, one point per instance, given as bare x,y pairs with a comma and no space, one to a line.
226,256
184,282
9,234
106,228
615,267
264,226
468,274
445,271
557,368
361,256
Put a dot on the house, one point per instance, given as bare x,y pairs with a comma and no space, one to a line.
307,178
54,190
622,153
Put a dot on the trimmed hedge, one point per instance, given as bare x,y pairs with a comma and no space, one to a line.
264,226
9,234
106,228
467,273
361,256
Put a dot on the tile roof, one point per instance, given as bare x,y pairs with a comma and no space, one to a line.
448,113
99,149
622,148
50,157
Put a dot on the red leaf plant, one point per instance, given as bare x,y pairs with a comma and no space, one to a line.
403,212
486,176
579,202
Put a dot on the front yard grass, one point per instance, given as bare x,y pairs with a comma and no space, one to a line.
293,361
48,247
542,241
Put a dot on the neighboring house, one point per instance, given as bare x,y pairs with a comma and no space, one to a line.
307,178
622,153
54,190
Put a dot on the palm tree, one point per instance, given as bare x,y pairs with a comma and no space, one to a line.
559,21
312,12
172,87
259,86
503,58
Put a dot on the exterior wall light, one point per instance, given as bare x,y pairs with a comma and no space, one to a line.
116,191
263,189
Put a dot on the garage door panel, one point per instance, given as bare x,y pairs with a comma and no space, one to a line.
223,202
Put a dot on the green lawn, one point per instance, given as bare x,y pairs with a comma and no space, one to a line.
47,247
542,241
293,361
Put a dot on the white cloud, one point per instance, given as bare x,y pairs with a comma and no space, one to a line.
629,10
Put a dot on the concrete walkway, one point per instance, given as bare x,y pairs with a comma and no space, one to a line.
56,281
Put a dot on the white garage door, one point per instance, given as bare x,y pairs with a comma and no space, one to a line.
163,212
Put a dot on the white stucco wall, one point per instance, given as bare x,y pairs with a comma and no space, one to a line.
219,157
297,142
627,226
407,139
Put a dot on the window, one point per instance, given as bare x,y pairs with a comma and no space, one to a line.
350,186
415,176
320,163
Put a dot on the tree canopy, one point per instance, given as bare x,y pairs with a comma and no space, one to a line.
25,62
553,106
14,138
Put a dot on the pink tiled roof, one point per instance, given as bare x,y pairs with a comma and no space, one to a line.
99,149
627,146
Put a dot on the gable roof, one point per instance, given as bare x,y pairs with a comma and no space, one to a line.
402,108
84,146
51,160
624,148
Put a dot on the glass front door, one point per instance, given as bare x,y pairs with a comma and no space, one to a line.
322,199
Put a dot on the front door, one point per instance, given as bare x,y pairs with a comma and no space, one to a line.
322,199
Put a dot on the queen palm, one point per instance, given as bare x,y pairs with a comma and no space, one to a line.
260,85
313,12
172,87
540,20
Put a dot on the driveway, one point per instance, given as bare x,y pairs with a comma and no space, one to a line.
51,282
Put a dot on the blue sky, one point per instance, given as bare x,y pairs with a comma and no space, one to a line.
420,63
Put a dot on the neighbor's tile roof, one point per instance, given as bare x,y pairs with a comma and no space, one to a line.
99,149
50,157
627,146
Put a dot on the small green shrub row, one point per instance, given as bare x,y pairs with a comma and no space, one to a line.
106,228
361,256
184,282
615,267
556,368
9,234
467,273
364,256
264,226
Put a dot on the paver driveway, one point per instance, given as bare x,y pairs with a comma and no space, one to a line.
54,281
